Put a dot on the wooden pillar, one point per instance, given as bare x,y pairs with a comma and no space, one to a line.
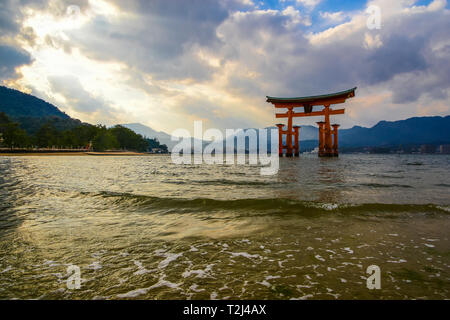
280,139
335,140
297,143
289,133
321,138
328,138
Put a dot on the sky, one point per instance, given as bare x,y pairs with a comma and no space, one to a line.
167,63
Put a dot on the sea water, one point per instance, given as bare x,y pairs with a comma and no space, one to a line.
145,228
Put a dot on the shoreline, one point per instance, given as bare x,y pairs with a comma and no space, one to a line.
74,153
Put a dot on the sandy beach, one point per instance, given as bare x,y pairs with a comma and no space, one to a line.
38,154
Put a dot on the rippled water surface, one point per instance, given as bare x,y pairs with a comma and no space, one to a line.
144,228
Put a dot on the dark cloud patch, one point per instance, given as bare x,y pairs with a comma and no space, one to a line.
411,59
10,59
8,18
397,55
433,82
160,37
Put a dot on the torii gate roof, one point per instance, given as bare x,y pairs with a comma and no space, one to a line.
314,99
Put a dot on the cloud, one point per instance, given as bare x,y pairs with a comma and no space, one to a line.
81,101
333,17
217,60
12,12
295,17
10,59
290,62
157,37
308,3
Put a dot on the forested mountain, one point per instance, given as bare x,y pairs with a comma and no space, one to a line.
17,104
30,122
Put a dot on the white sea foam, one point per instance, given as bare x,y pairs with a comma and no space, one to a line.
334,295
397,261
51,263
305,297
169,258
141,268
194,288
246,255
348,250
318,257
96,265
134,293
98,253
158,252
329,206
447,208
200,273
265,283
8,268
164,283
223,288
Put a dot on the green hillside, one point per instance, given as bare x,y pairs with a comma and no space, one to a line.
17,104
30,122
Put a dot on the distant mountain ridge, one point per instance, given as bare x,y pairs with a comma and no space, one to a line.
146,131
163,138
416,130
31,112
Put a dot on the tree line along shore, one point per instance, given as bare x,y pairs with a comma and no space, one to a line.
48,138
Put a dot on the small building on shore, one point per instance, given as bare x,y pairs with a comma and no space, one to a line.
444,148
427,148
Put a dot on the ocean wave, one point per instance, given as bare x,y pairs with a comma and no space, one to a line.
446,185
221,182
414,163
383,185
265,205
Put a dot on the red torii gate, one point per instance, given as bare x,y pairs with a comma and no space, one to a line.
328,138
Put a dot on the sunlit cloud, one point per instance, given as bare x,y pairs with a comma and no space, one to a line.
166,65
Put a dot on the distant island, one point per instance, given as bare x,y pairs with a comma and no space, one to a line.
27,122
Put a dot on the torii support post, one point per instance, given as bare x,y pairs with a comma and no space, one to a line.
335,140
297,143
321,138
328,138
289,134
280,139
